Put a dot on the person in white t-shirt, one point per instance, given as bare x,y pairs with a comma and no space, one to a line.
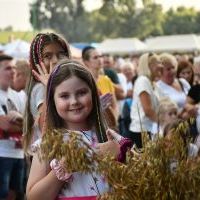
175,89
11,152
144,107
21,75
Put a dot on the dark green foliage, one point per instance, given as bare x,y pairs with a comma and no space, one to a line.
115,18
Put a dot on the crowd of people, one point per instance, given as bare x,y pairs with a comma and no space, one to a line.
110,101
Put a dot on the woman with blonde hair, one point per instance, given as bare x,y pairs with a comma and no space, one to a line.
143,109
175,89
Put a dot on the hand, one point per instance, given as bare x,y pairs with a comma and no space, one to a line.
59,170
112,135
43,75
124,144
105,100
5,123
110,147
15,117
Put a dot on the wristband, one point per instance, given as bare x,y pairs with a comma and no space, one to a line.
59,171
125,144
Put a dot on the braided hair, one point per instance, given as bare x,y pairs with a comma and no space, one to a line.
35,58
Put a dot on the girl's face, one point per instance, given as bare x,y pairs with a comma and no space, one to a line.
186,74
73,101
52,53
170,115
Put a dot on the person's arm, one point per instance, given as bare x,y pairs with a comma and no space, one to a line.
147,106
7,124
190,108
114,106
190,100
119,92
42,182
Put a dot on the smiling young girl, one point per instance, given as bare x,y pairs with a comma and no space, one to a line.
72,105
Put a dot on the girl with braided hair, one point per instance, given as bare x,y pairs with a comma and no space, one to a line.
45,51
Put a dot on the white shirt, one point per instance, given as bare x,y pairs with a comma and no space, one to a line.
179,97
139,121
123,83
7,147
37,98
83,184
23,98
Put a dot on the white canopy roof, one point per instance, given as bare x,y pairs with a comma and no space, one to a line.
76,53
20,49
17,49
122,46
174,43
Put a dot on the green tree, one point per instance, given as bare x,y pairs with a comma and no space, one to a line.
65,16
120,18
197,24
116,18
180,21
149,21
105,21
35,16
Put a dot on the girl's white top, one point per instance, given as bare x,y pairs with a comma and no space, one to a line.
85,184
37,98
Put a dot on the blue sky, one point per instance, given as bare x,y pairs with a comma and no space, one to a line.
16,12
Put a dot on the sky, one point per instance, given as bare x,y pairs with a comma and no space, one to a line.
15,13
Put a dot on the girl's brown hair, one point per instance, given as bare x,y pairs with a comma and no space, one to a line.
183,64
63,71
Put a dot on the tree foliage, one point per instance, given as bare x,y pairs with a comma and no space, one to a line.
115,18
65,16
180,21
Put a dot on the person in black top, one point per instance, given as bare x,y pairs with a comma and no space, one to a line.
194,94
192,106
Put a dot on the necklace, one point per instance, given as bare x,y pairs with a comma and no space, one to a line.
90,138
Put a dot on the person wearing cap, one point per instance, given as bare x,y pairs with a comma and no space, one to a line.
11,153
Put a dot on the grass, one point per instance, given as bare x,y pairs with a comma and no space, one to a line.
7,36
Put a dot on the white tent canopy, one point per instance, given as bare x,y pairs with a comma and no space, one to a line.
76,53
17,49
174,43
1,47
198,39
20,49
122,46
